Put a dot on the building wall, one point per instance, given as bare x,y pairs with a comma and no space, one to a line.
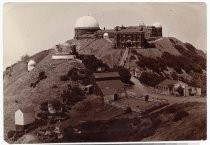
80,31
19,118
198,91
24,118
154,32
29,118
21,127
137,38
163,90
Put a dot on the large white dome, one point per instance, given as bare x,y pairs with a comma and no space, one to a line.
157,25
87,22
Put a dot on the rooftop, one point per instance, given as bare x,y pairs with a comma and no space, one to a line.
110,87
27,109
87,22
168,82
106,75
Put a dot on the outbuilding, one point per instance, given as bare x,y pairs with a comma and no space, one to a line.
24,117
110,90
172,87
109,86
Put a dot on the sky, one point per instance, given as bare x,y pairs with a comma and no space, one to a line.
29,28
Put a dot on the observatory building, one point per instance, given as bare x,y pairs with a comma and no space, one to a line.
86,25
31,65
140,35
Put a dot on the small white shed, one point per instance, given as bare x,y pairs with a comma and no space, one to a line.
24,117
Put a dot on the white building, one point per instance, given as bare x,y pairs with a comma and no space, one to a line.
171,87
24,117
31,65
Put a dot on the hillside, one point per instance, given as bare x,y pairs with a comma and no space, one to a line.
17,80
17,87
169,124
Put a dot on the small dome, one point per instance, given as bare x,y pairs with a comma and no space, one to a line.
157,25
106,35
31,63
86,22
141,23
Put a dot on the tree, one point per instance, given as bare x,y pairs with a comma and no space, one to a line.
150,79
10,133
42,75
124,73
180,90
25,57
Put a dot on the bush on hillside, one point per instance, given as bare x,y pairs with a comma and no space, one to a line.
25,57
124,73
133,57
150,79
157,65
73,95
10,133
42,75
64,78
188,61
92,63
179,115
190,47
72,70
54,86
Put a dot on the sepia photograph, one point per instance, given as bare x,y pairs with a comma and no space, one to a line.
100,72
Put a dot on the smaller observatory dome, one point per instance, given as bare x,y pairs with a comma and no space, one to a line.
87,22
31,65
157,25
141,23
106,35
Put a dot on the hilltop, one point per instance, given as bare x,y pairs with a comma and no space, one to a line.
156,60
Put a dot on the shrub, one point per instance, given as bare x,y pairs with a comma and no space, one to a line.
128,110
10,133
190,47
171,109
180,90
32,85
134,51
124,73
86,81
44,106
25,57
179,115
42,75
150,79
64,78
156,122
74,76
92,63
73,95
71,71
157,65
55,86
133,57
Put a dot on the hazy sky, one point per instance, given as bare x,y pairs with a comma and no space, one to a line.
31,27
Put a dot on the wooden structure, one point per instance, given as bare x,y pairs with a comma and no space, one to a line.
24,117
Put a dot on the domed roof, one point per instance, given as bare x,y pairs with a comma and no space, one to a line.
87,22
141,23
31,63
157,25
106,34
